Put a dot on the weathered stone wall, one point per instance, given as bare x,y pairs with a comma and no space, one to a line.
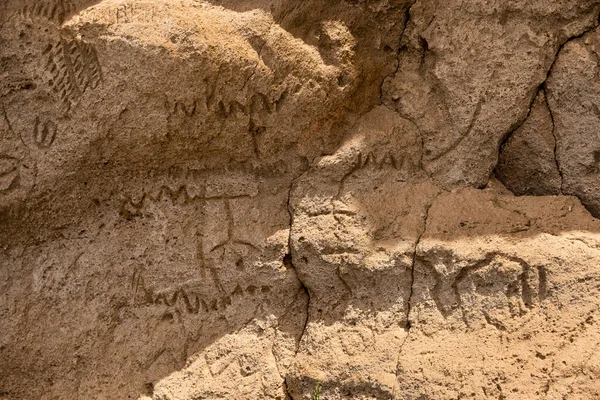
241,199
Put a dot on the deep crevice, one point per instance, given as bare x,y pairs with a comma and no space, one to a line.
400,48
288,262
509,134
288,259
556,162
413,261
412,284
287,390
543,87
519,124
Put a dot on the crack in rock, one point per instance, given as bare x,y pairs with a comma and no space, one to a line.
400,48
556,158
288,258
412,283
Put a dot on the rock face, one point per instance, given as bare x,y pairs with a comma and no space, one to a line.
252,199
528,163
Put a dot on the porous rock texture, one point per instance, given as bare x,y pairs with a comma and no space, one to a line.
251,199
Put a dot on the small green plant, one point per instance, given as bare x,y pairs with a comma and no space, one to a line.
317,393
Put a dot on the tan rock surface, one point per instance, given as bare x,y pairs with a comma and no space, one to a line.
527,163
577,120
250,199
469,72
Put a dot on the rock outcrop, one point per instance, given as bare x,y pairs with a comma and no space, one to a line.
382,199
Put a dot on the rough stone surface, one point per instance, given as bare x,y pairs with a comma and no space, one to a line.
251,199
469,71
573,91
527,162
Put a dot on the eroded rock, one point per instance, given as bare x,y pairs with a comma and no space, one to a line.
469,72
254,199
571,97
527,163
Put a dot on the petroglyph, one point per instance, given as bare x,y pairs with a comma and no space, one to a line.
123,13
55,11
517,286
72,66
187,300
44,133
256,196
